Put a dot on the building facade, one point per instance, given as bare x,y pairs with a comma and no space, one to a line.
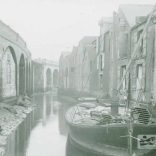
77,68
123,42
143,67
104,50
100,65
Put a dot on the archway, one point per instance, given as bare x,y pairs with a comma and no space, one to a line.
48,79
9,73
22,75
55,78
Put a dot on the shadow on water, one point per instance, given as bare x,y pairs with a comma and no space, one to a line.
39,134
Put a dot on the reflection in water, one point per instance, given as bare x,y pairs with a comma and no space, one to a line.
44,111
45,138
38,134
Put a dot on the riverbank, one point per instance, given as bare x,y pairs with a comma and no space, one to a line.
10,118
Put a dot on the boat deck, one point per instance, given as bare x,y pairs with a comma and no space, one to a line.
90,114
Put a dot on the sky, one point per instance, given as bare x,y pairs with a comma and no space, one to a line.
50,27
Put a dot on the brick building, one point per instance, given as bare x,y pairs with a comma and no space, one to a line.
99,63
143,67
76,67
123,22
104,50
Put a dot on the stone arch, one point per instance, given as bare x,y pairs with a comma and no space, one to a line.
48,79
55,78
22,86
9,73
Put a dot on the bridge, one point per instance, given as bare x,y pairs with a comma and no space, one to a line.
18,71
15,63
45,75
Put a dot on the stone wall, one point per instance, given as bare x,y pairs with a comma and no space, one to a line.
12,48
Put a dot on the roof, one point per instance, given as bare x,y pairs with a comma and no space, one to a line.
108,20
65,53
87,40
131,11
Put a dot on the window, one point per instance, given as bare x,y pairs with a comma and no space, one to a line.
139,77
139,34
141,43
123,71
8,69
101,80
101,61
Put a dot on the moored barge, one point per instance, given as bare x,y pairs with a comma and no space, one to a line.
93,129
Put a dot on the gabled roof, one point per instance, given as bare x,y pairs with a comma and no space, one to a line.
87,40
65,53
106,20
131,11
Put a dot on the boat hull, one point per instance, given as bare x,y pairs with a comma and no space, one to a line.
107,140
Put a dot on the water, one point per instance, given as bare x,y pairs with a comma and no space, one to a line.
45,138
44,131
40,134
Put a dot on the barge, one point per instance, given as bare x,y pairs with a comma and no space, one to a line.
95,130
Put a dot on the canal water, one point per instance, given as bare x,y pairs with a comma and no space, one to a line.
45,138
43,132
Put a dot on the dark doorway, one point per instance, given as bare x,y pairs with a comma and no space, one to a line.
48,79
22,75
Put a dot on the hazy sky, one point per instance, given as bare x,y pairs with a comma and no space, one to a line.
52,26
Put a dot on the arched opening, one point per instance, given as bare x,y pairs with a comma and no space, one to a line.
48,79
22,75
55,78
9,73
